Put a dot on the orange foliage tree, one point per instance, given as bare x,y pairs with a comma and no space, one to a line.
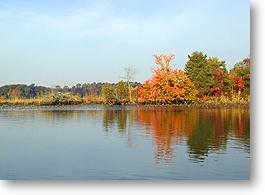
167,85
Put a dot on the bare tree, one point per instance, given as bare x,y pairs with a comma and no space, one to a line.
129,77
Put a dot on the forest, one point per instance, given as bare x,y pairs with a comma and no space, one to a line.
203,80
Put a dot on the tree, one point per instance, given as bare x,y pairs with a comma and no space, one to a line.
163,61
240,75
219,81
129,77
29,91
121,92
15,92
204,72
108,93
115,93
167,85
198,71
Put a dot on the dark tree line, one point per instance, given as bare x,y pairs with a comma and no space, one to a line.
23,91
31,91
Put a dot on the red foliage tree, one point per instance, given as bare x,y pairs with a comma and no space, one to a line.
221,82
238,83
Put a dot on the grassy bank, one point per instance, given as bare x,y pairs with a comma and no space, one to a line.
52,100
234,100
69,99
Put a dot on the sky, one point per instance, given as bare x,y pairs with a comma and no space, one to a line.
66,42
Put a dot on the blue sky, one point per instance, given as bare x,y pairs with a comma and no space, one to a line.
67,42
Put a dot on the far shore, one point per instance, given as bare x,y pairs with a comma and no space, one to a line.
204,105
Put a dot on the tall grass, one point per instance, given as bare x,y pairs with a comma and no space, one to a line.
49,99
70,99
225,100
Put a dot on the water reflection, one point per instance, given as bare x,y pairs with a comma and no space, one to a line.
115,117
204,131
49,115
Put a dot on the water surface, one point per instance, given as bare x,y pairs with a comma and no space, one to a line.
116,142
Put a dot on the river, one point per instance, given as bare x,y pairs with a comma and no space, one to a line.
124,142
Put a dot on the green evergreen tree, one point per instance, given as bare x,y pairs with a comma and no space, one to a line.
198,71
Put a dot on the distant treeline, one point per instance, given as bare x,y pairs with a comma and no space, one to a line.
32,91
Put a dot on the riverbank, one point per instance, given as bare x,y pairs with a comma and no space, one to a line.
32,104
52,100
68,99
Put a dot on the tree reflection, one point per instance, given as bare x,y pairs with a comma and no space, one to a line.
167,127
115,117
205,130
52,115
121,119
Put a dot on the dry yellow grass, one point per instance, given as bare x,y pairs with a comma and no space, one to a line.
25,102
69,99
49,99
53,99
93,99
234,99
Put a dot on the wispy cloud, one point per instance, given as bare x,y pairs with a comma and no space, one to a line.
76,34
81,23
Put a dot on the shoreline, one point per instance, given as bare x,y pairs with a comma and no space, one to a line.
190,105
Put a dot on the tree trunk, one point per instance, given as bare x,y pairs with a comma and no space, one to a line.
130,93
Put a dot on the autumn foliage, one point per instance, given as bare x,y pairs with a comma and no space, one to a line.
166,85
203,80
